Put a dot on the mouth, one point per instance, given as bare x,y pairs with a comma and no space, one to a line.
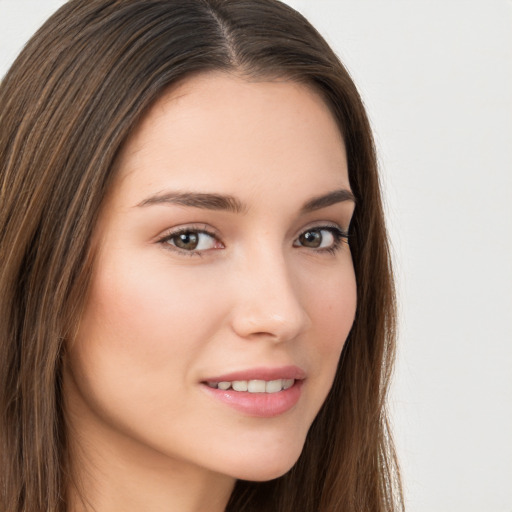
263,392
253,386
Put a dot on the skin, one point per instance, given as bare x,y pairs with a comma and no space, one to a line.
159,320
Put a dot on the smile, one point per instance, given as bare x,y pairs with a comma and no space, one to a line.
254,386
263,392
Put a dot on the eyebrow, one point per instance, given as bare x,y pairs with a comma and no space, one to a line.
197,200
208,201
325,200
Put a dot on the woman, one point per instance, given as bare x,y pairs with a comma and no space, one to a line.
197,307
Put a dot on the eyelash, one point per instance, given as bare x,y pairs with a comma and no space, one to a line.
165,240
340,236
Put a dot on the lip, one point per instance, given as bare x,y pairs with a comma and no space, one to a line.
261,373
261,405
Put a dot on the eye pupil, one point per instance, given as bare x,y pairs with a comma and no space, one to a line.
187,240
311,239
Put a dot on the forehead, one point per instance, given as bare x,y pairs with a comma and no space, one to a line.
221,130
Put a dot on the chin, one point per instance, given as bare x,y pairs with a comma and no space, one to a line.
267,464
266,474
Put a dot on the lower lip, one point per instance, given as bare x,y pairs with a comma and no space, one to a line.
261,405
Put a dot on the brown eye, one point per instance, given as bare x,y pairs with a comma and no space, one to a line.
322,238
193,241
311,239
187,241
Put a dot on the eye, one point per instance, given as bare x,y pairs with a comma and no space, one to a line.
192,240
326,238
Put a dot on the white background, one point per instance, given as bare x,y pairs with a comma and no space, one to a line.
436,76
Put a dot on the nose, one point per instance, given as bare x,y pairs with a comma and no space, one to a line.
268,302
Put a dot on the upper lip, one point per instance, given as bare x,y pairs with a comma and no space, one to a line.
261,373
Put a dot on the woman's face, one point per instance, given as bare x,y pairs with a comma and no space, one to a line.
223,288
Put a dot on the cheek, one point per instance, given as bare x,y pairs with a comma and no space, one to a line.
141,332
145,310
332,311
332,304
138,340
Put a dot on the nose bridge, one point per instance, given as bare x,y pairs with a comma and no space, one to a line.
269,303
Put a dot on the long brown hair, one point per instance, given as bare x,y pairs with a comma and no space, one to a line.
68,103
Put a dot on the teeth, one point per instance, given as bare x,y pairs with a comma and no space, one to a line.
273,386
239,385
254,386
288,383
